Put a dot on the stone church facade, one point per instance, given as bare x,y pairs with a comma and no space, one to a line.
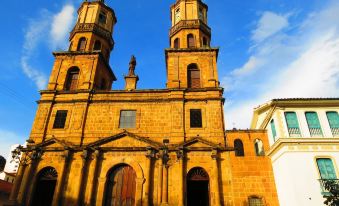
91,145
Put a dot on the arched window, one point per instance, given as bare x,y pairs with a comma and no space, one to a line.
259,147
204,41
193,76
190,41
177,43
97,45
72,79
239,148
82,44
45,187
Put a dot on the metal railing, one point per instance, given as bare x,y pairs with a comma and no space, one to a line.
194,24
294,132
91,27
316,132
335,132
325,184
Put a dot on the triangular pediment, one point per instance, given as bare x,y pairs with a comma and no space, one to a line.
54,143
198,142
124,140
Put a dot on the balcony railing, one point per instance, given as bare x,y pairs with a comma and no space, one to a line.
325,184
316,132
90,27
335,132
294,132
189,24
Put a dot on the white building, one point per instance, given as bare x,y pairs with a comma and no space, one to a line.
11,168
304,146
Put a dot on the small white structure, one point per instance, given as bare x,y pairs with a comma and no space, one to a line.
304,146
11,168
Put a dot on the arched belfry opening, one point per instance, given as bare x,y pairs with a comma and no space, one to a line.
72,79
120,186
45,187
193,76
197,187
82,44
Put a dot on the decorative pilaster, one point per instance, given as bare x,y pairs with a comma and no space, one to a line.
150,155
94,183
59,193
215,180
83,178
17,184
180,156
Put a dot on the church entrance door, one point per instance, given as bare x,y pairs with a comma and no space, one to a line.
197,187
120,187
45,187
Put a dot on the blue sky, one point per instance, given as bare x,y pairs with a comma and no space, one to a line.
268,49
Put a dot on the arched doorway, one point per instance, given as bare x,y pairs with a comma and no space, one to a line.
45,187
120,186
197,187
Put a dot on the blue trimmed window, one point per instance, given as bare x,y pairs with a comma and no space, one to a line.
274,131
292,124
333,120
313,124
326,169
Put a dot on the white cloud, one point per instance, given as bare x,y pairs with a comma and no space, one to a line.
8,139
269,24
304,63
249,67
62,23
39,32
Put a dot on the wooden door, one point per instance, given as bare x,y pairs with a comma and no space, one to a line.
120,187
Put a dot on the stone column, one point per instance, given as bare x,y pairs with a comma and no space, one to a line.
94,183
59,192
165,186
215,178
148,169
160,182
181,178
83,178
17,184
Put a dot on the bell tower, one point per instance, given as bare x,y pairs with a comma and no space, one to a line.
85,66
191,61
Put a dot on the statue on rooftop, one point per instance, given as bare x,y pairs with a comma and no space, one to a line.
132,64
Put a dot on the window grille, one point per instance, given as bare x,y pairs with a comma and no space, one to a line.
292,124
60,119
313,124
195,118
127,119
333,120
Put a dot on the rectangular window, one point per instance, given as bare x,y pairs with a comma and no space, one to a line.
60,119
333,120
274,132
313,124
195,118
292,124
326,168
255,201
102,18
127,119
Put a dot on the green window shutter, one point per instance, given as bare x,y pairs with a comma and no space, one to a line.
326,168
333,119
274,132
292,120
312,120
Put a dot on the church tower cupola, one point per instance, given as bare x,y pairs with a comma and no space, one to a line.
191,61
85,66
